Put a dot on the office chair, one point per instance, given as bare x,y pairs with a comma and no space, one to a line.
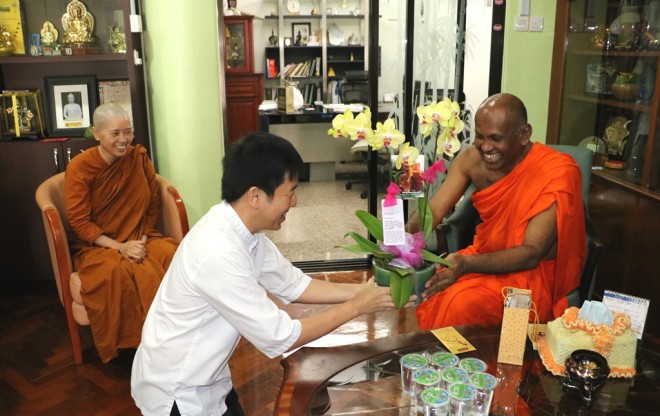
173,222
459,227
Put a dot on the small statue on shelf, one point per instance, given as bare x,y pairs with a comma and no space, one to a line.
615,137
48,33
78,25
116,39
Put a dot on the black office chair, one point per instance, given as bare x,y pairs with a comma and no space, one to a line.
458,229
355,89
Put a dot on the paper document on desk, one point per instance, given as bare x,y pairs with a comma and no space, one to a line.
267,105
340,108
331,340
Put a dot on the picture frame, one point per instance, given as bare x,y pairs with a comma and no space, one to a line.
300,33
71,100
116,91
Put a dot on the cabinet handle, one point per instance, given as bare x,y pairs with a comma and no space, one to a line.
57,164
68,155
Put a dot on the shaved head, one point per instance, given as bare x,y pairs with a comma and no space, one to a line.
106,112
514,107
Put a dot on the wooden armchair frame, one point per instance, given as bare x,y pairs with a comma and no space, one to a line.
173,223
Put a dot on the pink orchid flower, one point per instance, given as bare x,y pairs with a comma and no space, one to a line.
392,191
408,254
430,174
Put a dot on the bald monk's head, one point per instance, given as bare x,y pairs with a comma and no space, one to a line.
106,112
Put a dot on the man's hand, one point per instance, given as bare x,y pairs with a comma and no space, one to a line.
445,277
372,298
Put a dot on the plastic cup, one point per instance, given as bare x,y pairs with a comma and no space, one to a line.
473,365
485,385
451,375
436,402
409,364
444,359
461,399
424,379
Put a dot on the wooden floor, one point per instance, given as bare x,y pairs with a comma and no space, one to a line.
38,375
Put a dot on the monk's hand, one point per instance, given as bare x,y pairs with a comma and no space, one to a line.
133,250
445,277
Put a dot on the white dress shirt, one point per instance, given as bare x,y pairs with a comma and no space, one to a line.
214,292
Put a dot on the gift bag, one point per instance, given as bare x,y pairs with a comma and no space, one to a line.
517,305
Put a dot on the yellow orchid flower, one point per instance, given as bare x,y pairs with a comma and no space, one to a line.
339,124
448,142
360,127
386,135
407,155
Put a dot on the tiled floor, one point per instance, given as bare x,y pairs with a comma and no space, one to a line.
324,214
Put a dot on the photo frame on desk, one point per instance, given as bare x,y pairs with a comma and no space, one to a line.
71,100
302,29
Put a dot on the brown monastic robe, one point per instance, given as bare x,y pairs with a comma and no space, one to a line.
121,201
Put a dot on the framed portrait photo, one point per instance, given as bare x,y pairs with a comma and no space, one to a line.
71,102
300,33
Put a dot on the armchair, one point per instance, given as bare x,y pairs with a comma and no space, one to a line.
459,227
173,223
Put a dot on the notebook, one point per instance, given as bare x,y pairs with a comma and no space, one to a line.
635,307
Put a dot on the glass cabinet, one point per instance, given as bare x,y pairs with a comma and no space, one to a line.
239,56
606,86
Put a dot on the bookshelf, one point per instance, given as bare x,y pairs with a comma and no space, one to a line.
317,68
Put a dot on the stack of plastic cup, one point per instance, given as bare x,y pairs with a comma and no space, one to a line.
444,359
461,399
451,375
424,379
409,364
473,365
485,384
436,402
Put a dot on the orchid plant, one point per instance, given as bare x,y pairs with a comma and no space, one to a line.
439,121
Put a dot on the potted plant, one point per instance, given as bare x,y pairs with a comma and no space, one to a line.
405,268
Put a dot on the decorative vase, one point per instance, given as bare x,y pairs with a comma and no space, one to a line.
415,284
624,91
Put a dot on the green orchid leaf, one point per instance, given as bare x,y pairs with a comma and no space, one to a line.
428,256
425,217
366,246
373,224
400,289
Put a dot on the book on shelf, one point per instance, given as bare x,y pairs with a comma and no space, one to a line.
271,68
317,69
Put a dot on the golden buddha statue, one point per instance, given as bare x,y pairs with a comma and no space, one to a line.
78,24
48,33
116,39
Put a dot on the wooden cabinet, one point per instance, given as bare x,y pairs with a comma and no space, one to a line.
585,105
239,55
29,72
244,94
243,87
25,265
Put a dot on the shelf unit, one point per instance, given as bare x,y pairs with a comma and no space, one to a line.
624,204
24,164
340,56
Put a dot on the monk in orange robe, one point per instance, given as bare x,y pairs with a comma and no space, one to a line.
113,203
532,235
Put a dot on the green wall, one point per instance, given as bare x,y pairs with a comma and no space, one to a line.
528,62
184,90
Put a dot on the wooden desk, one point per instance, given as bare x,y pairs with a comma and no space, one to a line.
265,389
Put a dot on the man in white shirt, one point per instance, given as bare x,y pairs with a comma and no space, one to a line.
216,288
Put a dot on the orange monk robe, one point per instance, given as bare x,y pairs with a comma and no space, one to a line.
122,201
544,177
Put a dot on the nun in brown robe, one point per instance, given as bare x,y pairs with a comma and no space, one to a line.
113,203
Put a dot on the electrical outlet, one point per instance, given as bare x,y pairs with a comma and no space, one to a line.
536,24
522,24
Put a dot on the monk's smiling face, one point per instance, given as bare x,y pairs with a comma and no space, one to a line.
502,135
114,135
